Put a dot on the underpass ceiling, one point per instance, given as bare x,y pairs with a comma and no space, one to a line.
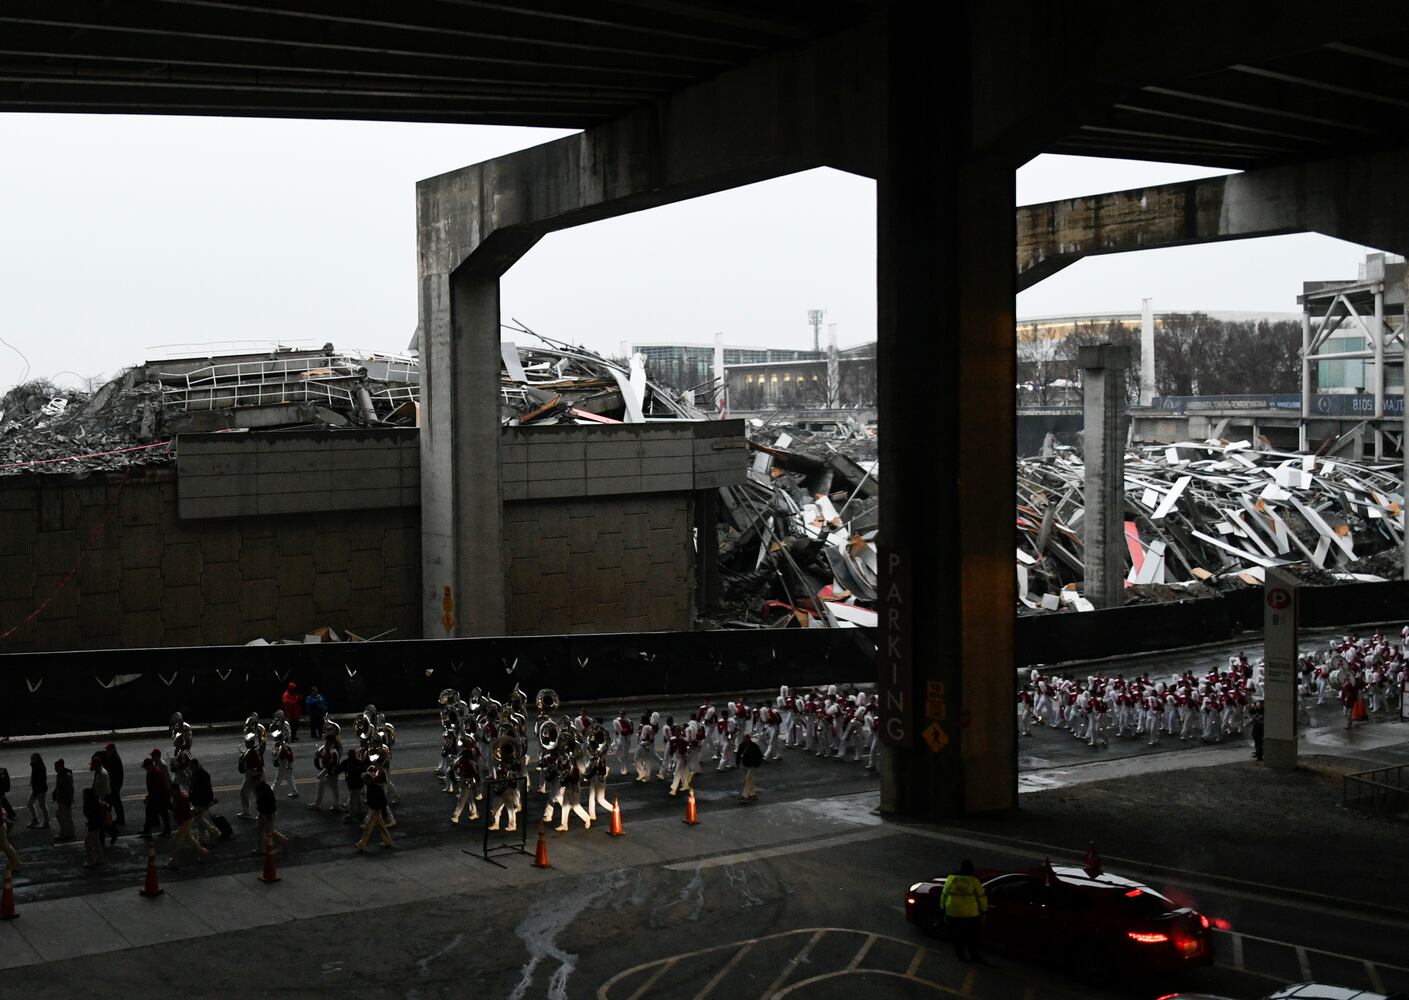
559,63
1331,99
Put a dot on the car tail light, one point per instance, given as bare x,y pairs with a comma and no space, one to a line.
1187,946
910,900
1144,938
1133,893
1203,921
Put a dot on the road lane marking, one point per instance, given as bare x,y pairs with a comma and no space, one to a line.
1303,963
861,952
1373,974
803,984
967,987
915,962
651,980
815,844
793,963
719,976
1309,950
1238,952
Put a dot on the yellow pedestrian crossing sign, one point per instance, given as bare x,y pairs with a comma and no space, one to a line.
936,737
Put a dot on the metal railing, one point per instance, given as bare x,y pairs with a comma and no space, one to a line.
262,383
1382,790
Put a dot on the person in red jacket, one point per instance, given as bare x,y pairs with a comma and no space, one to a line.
181,811
293,708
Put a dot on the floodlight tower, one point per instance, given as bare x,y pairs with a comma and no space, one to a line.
814,316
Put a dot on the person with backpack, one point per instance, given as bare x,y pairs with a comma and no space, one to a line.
63,801
202,798
181,809
112,764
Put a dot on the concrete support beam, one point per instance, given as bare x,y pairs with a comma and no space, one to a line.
944,287
1103,369
808,106
1357,198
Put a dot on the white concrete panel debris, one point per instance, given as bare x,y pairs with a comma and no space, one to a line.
1203,517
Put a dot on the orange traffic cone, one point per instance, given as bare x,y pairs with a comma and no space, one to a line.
269,874
7,899
615,831
540,854
151,888
692,817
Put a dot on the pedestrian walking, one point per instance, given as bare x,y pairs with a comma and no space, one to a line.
268,806
38,793
12,859
351,769
95,819
63,801
964,903
158,801
102,792
376,812
317,707
112,764
181,809
5,807
293,708
202,798
751,757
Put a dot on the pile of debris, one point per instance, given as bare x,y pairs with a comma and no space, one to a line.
797,539
558,383
47,429
324,633
1204,517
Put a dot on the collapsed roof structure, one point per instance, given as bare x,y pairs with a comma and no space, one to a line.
132,419
1201,517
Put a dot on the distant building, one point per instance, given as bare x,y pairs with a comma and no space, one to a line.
803,383
684,366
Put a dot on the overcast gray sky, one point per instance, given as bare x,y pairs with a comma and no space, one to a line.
120,234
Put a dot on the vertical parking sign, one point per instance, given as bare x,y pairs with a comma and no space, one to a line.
894,666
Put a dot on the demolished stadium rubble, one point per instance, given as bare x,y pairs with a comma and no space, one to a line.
1210,516
797,538
133,418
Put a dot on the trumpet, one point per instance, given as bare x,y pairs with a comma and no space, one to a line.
547,701
597,739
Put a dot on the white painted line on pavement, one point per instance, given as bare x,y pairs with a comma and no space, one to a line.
1238,952
817,844
861,953
719,976
1309,950
1303,963
1377,983
915,962
651,980
793,963
967,987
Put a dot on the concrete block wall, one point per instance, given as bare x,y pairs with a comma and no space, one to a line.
600,564
297,472
151,578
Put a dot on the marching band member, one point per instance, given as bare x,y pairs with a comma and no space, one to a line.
251,763
284,769
621,739
326,760
645,748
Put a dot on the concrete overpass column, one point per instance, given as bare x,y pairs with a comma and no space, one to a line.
462,547
1103,369
946,348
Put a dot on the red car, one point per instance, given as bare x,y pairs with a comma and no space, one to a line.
1095,922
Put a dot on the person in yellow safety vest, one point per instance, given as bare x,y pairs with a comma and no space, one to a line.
964,903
